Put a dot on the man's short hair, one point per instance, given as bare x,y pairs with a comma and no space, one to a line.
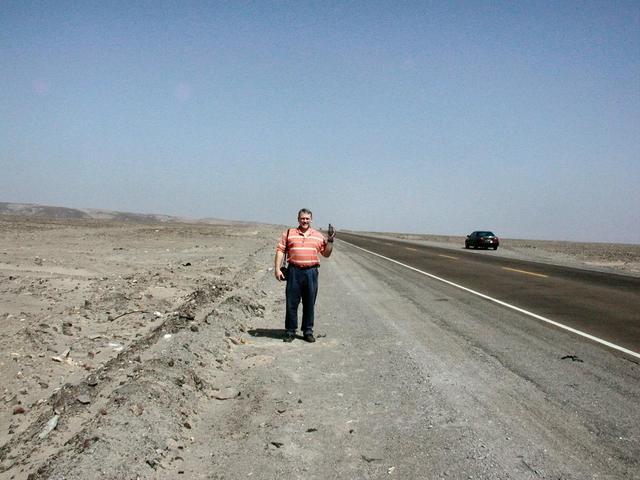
305,210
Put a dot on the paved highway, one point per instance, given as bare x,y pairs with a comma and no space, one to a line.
606,306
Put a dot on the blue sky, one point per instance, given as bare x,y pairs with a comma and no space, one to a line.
426,117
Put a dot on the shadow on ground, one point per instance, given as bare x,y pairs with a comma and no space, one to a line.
267,332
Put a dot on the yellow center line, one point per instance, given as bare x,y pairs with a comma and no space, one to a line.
524,271
447,256
409,248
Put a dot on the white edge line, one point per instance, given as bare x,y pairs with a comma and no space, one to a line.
504,304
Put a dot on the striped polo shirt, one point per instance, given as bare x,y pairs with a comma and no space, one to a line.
304,247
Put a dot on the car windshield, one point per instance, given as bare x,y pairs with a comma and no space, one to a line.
486,234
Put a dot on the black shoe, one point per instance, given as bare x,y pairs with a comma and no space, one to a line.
288,337
309,337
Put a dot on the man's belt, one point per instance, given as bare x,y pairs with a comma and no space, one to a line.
304,267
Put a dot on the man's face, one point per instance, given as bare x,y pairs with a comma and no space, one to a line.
304,220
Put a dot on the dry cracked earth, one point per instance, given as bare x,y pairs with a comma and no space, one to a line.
124,345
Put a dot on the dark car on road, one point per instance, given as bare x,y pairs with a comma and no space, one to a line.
482,239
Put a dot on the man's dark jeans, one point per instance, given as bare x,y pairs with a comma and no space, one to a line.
302,284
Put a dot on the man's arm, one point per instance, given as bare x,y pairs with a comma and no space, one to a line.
276,265
328,248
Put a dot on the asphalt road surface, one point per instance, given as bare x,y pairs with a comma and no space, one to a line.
604,305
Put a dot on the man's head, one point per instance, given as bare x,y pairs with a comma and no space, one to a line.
304,218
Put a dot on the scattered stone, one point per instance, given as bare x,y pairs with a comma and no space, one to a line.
226,394
137,409
18,410
62,357
198,381
277,444
88,442
370,459
49,427
186,424
117,347
309,430
171,362
92,380
84,399
59,405
66,328
152,463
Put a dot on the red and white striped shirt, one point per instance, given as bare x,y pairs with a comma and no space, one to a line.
303,248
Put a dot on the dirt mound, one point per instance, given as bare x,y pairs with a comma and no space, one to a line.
114,335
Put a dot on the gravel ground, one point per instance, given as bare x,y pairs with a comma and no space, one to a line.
153,351
103,336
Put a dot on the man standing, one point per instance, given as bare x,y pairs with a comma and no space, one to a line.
302,246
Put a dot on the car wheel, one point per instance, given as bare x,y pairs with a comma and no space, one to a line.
466,245
495,248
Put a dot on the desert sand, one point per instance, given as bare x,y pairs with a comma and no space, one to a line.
104,358
90,308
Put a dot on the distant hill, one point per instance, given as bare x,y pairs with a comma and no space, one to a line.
47,211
